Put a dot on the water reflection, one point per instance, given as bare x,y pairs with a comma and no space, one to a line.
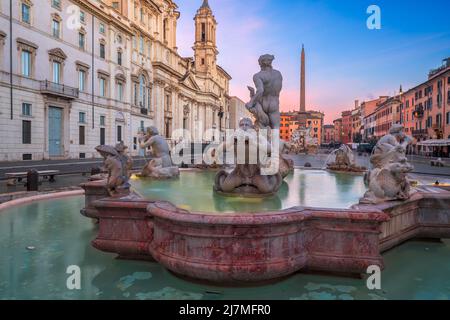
41,274
310,188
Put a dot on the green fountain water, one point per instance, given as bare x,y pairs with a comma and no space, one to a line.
61,237
311,188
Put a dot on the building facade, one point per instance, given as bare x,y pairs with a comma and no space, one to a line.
338,130
237,112
328,134
84,73
425,109
291,121
386,115
346,127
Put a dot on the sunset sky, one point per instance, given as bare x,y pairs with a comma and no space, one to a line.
345,60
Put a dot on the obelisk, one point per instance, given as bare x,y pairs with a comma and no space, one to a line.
302,113
302,82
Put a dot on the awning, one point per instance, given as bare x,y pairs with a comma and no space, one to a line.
435,143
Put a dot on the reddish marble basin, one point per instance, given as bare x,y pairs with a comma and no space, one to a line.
244,247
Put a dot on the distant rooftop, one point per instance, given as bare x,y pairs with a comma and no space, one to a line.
445,65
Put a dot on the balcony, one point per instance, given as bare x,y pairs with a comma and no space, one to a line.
418,112
59,90
420,132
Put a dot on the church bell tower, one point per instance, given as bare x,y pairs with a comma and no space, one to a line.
205,39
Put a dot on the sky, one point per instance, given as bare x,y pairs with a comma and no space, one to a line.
345,61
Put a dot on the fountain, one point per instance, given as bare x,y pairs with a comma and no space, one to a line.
343,160
302,141
276,227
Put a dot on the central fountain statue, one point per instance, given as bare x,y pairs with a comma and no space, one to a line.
248,179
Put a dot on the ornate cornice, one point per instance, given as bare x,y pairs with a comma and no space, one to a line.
57,53
27,45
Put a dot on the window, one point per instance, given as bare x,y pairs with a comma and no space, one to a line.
203,32
119,91
26,13
203,61
102,28
56,4
82,80
141,45
439,120
82,117
26,63
102,120
448,118
81,40
115,5
429,122
102,87
82,17
119,58
102,136
26,109
56,28
56,72
102,51
81,135
142,14
119,133
142,91
165,30
26,132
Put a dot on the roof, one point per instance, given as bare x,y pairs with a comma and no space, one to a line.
205,5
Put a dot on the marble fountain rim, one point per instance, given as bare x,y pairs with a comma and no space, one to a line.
168,211
40,197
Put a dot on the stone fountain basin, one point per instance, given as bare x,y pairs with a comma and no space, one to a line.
254,247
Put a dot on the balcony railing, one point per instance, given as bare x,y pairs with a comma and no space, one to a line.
418,112
48,87
420,132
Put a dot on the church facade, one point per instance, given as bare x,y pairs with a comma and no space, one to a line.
75,74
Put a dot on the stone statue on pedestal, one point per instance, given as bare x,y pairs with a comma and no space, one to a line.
117,164
388,178
265,102
160,166
342,159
